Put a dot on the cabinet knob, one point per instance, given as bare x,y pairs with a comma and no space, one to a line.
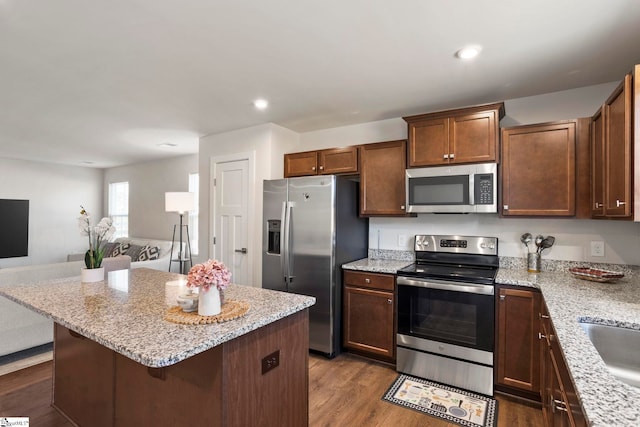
505,207
619,203
402,207
367,280
543,316
389,301
598,205
541,336
313,168
321,168
502,297
452,156
446,156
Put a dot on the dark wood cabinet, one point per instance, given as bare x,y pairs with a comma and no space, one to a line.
468,135
518,345
617,147
322,162
540,166
82,392
560,403
369,314
597,164
382,178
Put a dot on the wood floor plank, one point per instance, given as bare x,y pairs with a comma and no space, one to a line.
345,391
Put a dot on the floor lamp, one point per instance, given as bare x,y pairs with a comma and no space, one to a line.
180,202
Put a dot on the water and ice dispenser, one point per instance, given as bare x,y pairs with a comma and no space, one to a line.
273,244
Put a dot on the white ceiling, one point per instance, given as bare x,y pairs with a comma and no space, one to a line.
107,81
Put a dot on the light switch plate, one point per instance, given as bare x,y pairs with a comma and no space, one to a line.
402,240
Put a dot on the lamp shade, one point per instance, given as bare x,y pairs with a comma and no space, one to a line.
180,202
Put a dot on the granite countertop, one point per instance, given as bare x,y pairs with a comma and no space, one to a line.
126,313
389,266
606,400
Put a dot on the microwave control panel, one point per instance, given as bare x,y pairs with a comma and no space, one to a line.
483,191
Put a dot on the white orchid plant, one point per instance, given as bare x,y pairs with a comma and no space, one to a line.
97,235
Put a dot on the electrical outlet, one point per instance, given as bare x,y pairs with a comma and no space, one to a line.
597,248
270,362
402,240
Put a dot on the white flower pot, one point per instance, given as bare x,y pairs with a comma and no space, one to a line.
209,302
88,275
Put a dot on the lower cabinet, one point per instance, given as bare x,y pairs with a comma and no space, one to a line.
560,404
369,314
518,346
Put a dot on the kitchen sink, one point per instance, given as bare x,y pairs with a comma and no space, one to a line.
619,348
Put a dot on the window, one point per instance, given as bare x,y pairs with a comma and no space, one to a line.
119,207
194,185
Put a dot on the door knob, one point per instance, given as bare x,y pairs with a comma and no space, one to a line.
242,251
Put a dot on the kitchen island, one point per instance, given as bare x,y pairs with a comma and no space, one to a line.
117,361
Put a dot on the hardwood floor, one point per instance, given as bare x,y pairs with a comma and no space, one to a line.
345,391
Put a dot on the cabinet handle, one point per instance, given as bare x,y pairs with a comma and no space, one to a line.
446,156
389,301
505,207
541,336
543,316
402,207
619,203
321,168
598,205
558,405
502,297
367,280
313,168
452,156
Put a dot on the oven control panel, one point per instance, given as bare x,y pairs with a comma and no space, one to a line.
456,244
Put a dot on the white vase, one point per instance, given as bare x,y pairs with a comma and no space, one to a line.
88,275
209,302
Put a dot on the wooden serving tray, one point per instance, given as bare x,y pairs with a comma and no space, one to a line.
595,275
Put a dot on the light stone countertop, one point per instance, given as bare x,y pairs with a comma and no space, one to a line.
126,313
606,400
390,266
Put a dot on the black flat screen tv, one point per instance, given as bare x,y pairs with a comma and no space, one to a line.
14,228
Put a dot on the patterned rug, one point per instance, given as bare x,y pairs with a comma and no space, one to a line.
451,404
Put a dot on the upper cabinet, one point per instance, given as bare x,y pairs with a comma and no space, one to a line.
611,155
382,178
322,162
539,168
468,135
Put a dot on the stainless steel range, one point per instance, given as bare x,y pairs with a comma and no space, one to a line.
446,311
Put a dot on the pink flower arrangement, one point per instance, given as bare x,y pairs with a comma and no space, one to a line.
208,274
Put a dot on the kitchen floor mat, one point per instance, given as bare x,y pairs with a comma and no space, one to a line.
451,404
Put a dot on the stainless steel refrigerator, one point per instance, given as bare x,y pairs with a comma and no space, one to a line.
310,228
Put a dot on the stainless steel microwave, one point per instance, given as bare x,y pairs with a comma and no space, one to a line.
453,189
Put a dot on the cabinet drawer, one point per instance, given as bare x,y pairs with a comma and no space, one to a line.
370,280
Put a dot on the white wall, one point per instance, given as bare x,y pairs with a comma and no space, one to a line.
148,182
573,237
55,194
267,143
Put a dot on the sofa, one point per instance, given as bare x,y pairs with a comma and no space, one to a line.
21,328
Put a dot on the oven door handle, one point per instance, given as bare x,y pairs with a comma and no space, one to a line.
470,288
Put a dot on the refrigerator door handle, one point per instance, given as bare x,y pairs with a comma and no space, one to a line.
283,245
290,276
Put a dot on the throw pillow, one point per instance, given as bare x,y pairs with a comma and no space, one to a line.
109,247
134,251
120,249
148,253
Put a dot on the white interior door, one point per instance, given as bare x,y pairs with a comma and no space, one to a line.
231,207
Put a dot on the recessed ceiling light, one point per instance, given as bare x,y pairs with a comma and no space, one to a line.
261,104
167,145
468,52
88,162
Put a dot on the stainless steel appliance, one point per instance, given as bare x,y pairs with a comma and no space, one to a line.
311,227
446,311
453,189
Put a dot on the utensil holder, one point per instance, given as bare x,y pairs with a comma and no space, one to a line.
534,262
